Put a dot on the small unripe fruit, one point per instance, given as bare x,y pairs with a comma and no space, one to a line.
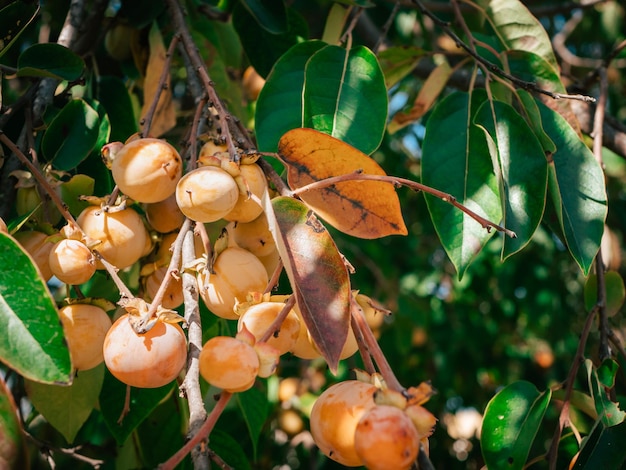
147,360
147,170
165,216
85,328
385,438
229,364
258,318
72,262
334,418
206,194
117,42
122,234
247,209
38,247
27,199
236,273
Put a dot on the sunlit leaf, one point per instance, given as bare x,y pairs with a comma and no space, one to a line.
510,424
608,410
577,189
317,273
522,168
14,18
533,119
71,191
255,410
614,291
456,160
603,448
345,96
164,117
279,106
33,342
50,60
428,94
67,408
397,62
14,454
364,209
71,136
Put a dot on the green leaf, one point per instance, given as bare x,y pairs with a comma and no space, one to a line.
533,119
71,136
79,185
262,47
14,19
317,273
456,160
67,408
522,170
345,96
577,189
14,454
229,450
33,342
255,409
142,402
608,411
614,289
510,424
397,62
113,95
50,60
271,15
603,448
519,29
279,106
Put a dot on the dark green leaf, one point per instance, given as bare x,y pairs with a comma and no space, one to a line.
141,13
33,342
271,15
614,290
456,160
522,169
603,448
510,424
14,18
345,96
229,450
113,95
577,189
255,410
608,411
14,454
142,402
279,106
50,60
263,48
72,135
67,408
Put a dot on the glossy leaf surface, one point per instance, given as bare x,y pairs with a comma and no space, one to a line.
364,209
603,448
14,18
50,60
608,411
255,410
33,342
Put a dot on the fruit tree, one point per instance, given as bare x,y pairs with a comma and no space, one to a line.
312,234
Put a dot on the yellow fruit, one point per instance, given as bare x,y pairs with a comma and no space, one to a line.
252,83
72,262
258,318
38,247
122,234
148,360
85,328
206,194
335,416
229,364
236,273
117,42
147,170
385,438
246,209
254,236
165,216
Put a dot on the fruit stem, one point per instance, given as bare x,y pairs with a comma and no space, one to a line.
112,270
356,311
201,435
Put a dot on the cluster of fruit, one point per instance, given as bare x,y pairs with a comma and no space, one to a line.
352,422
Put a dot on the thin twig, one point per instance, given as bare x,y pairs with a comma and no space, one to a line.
278,321
112,270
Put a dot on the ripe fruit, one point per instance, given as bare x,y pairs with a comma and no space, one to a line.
38,247
246,209
229,363
85,328
165,216
254,236
72,262
385,438
335,416
258,318
147,170
206,194
147,360
173,296
236,273
122,234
